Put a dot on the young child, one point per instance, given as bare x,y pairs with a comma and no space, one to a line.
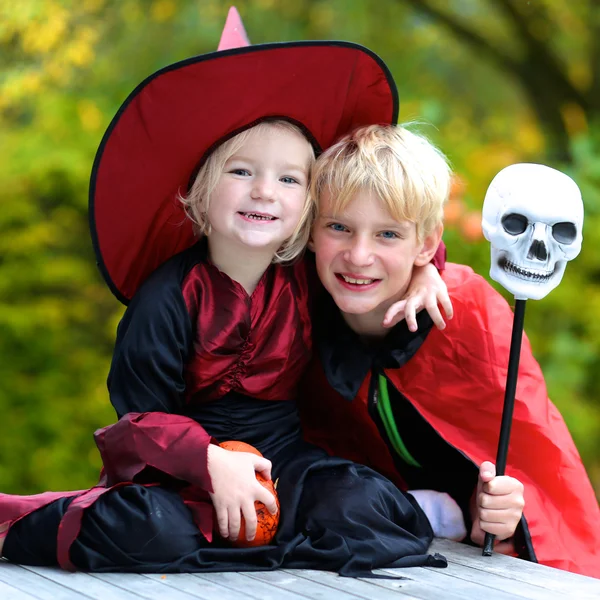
215,339
424,407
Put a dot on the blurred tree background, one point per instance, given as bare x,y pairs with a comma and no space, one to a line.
493,82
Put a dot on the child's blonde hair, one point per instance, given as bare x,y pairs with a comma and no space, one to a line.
404,169
197,200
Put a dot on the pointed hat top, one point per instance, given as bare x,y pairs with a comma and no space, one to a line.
234,35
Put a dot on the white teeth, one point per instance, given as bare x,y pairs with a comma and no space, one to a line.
357,281
258,217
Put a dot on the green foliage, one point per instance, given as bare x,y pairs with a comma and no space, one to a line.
65,68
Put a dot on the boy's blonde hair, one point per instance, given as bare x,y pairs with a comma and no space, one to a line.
197,201
406,171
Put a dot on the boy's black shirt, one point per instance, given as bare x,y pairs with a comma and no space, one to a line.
347,360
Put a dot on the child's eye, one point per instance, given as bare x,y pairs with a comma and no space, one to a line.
336,227
243,172
389,235
289,180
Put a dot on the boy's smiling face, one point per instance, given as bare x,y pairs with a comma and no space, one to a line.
364,257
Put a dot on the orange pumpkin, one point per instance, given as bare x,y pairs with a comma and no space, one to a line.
267,524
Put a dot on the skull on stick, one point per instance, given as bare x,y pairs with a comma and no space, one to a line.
533,219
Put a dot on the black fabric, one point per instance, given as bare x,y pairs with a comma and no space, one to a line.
335,515
347,360
153,340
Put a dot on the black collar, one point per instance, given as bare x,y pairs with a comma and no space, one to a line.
347,359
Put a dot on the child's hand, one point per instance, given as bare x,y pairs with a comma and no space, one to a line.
496,507
426,290
235,489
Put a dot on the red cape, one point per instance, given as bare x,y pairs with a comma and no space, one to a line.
456,381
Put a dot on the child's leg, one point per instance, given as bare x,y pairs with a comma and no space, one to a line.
363,519
131,528
32,539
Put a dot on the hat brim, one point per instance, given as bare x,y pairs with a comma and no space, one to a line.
169,122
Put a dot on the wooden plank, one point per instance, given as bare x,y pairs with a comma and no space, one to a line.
510,568
7,592
199,588
462,580
144,587
288,581
254,587
33,583
435,583
363,588
83,583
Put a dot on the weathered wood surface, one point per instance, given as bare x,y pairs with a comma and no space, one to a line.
468,576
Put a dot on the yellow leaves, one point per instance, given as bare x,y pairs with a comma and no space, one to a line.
29,240
90,116
486,161
574,118
529,138
322,16
80,52
45,42
580,74
162,10
93,6
46,32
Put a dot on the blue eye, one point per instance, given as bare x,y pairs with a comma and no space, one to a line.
289,180
243,172
389,235
336,227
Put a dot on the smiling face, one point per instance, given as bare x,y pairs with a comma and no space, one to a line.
261,193
365,257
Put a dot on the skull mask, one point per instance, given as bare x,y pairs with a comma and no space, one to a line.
533,218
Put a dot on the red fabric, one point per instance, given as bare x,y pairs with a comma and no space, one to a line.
172,444
439,258
456,380
259,337
163,130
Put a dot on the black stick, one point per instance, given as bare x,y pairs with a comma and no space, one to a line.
509,402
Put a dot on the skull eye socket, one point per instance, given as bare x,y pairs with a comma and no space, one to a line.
564,233
514,224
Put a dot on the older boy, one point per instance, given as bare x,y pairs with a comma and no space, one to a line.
424,407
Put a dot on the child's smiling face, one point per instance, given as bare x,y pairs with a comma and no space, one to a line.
260,196
364,256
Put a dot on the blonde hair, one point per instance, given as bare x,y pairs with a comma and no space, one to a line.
197,201
406,171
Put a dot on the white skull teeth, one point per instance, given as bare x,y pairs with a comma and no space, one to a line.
357,281
526,274
258,217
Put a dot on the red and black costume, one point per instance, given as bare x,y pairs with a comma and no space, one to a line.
446,392
197,358
225,373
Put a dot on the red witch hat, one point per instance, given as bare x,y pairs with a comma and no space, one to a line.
172,119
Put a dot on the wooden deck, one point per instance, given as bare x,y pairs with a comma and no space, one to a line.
468,576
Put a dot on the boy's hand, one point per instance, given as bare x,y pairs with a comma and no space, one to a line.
426,290
235,489
496,508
